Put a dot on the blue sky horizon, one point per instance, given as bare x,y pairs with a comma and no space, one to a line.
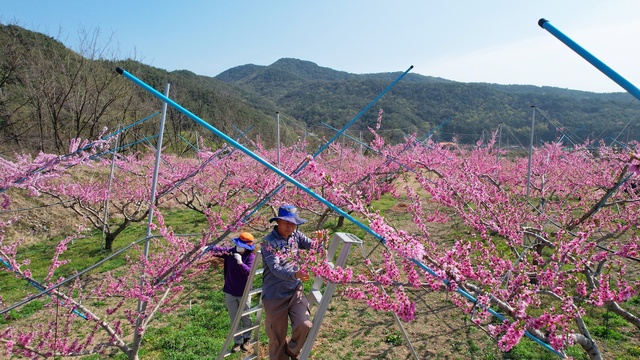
491,41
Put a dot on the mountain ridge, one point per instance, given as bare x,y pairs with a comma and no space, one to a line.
288,83
308,97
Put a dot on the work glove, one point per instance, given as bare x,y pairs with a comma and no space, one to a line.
238,258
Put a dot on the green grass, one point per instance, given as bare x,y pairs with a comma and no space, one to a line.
474,349
607,333
87,251
633,351
357,343
529,350
395,338
185,221
339,334
196,332
199,331
27,310
577,353
83,253
614,320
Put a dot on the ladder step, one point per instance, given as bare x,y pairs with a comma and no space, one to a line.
236,322
245,330
253,310
250,356
317,295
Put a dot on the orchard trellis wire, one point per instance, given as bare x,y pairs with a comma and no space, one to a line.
237,145
382,240
310,192
318,197
143,240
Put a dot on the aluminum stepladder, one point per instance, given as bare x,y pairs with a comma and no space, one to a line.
315,296
257,310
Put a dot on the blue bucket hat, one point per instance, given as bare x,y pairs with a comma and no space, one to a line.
289,213
245,240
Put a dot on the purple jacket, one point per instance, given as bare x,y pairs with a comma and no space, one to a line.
235,275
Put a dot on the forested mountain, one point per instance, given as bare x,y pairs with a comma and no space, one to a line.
50,94
420,103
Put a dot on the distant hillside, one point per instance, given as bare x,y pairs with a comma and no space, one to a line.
49,94
316,95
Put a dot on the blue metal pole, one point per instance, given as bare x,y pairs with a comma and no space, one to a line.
251,154
370,148
293,181
323,147
337,135
428,136
39,286
632,89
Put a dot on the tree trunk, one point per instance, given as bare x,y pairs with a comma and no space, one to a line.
589,346
584,339
323,218
111,236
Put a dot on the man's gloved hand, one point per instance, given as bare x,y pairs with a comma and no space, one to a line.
238,258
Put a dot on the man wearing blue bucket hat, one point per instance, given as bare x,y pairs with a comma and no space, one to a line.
238,260
282,293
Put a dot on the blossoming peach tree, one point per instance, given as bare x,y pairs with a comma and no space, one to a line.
541,252
147,284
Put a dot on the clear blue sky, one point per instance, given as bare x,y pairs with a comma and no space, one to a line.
470,41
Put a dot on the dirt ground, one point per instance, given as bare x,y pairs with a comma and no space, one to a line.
440,331
351,330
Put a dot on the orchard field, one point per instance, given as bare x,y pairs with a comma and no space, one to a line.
478,249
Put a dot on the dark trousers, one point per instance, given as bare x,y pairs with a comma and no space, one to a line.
295,308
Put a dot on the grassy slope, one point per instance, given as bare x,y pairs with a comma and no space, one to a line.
350,330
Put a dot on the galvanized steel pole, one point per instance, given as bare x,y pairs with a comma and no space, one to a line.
310,192
278,136
533,123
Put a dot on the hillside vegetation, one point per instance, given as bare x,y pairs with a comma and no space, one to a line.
49,94
556,256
